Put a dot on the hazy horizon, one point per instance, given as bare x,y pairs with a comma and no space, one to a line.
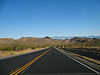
57,37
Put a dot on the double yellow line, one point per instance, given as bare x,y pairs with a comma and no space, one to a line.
18,71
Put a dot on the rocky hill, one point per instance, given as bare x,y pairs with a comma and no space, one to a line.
32,42
78,39
28,42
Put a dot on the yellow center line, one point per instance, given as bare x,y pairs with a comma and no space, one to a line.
28,64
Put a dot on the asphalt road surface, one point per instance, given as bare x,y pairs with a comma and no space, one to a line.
48,61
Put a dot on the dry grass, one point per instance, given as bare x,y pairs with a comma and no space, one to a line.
9,53
92,60
87,58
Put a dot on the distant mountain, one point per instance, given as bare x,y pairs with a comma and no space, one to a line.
6,40
79,39
43,41
92,36
32,41
69,37
61,37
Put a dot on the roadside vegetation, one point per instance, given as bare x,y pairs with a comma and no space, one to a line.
88,48
88,44
8,53
84,46
17,48
8,44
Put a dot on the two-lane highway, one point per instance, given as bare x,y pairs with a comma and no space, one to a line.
11,64
54,62
51,61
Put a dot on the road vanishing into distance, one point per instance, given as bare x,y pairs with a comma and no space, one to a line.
45,62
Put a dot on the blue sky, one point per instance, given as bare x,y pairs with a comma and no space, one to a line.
39,18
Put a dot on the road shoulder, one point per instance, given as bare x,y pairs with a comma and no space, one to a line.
92,65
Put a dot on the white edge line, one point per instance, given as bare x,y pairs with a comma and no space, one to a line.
78,61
